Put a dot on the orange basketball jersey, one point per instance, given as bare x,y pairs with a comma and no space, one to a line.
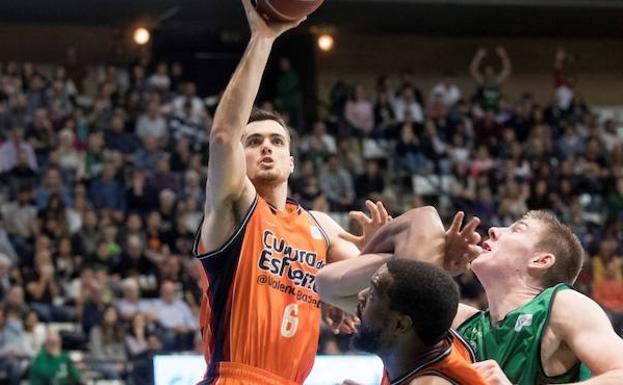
452,362
261,312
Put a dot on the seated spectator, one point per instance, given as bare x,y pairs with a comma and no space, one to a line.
410,158
148,156
337,185
107,346
11,342
10,150
134,263
53,365
43,291
33,335
359,113
160,80
14,302
130,304
447,91
407,107
371,184
152,123
189,98
165,179
52,184
118,139
384,116
173,315
318,144
106,192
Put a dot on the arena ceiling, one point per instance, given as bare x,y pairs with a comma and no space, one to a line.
562,18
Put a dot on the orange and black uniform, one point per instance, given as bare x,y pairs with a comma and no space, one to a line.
451,361
260,313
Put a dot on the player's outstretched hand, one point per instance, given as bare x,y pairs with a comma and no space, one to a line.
491,372
370,224
461,244
261,28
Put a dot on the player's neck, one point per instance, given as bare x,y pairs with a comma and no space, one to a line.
511,297
405,358
275,195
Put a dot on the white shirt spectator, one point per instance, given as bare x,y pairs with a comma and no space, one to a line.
403,108
450,93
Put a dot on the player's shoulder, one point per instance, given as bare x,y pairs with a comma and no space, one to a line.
571,306
327,223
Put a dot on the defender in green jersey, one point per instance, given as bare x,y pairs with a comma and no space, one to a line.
537,329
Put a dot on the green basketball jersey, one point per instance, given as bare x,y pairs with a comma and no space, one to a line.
516,342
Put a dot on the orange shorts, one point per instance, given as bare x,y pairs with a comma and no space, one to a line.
233,373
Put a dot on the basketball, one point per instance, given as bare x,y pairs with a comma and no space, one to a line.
287,10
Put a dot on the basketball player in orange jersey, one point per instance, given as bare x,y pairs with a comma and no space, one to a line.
407,310
405,316
260,252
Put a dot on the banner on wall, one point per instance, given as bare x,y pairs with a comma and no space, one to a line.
327,370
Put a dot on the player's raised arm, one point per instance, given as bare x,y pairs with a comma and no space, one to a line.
228,186
340,282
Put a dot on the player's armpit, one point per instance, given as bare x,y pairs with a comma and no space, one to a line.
584,327
339,248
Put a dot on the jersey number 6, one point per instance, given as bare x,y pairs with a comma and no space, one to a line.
290,320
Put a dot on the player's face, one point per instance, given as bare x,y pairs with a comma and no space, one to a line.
373,311
267,153
508,249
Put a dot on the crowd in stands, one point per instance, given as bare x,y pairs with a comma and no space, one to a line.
101,192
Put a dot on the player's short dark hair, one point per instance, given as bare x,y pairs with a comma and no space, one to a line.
259,115
425,293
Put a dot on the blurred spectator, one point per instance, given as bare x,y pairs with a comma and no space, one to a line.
564,85
407,107
118,139
52,184
337,185
107,346
197,113
52,365
447,90
490,84
289,96
371,184
411,159
160,80
148,156
12,149
318,144
173,315
11,342
152,123
130,304
106,192
44,293
359,113
33,335
608,292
